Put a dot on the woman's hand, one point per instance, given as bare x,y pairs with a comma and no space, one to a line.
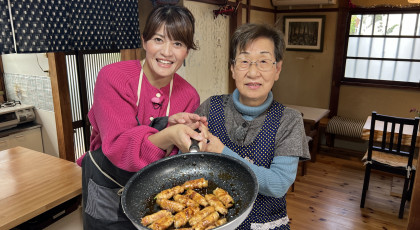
179,135
213,144
186,118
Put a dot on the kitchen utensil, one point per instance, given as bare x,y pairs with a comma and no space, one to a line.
222,171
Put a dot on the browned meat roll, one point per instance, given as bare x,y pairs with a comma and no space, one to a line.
154,217
216,203
201,215
183,199
195,196
198,183
162,223
207,221
223,196
182,217
170,205
168,193
221,222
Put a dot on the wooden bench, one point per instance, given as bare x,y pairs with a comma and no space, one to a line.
344,127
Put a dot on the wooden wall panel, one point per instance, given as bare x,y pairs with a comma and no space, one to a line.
62,108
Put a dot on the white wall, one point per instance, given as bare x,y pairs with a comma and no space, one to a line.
207,68
34,65
27,64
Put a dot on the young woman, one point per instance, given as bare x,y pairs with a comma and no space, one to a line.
129,116
251,126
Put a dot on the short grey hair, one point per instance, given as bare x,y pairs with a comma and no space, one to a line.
247,33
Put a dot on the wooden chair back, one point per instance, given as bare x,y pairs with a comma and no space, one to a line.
392,136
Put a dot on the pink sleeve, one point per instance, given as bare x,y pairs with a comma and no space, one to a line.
114,111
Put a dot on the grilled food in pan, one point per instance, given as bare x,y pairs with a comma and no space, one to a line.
138,198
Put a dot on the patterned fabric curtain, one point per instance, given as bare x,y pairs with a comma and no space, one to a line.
6,36
68,25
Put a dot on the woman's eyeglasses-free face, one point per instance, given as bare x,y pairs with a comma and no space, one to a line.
262,65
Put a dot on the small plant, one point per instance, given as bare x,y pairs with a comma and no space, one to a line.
415,111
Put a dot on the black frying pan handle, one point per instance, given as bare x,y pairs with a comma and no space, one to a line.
194,146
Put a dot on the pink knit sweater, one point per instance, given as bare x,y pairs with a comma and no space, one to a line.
113,114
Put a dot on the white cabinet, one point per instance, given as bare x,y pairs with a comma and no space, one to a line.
4,143
29,138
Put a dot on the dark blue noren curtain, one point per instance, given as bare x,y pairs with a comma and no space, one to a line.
6,36
68,25
93,24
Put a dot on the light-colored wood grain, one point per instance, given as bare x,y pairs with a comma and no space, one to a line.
379,127
328,197
32,183
311,114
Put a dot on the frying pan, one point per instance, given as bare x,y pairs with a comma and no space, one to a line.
223,171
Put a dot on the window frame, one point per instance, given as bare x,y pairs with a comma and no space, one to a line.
373,82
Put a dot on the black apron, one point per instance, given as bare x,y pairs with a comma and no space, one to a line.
101,203
101,198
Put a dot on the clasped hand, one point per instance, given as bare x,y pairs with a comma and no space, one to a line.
187,124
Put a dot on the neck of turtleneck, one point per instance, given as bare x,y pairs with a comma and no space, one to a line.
249,113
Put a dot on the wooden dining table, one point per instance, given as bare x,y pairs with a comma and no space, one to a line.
311,118
379,127
32,183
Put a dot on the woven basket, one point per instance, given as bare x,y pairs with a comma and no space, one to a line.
390,159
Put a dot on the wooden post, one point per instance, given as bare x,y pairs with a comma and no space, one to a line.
130,54
2,86
235,22
62,106
338,66
414,215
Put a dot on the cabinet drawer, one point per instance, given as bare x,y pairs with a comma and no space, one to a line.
30,139
4,143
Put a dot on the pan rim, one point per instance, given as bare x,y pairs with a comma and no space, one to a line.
186,155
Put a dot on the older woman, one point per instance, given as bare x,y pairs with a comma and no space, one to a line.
251,126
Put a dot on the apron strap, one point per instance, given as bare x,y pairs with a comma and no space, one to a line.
139,89
105,174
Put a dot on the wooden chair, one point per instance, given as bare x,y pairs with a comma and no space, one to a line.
389,155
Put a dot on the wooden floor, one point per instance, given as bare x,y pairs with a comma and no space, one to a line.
328,197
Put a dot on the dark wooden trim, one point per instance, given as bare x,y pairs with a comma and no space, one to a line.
383,36
257,8
384,59
78,124
2,84
248,11
308,10
83,99
93,51
381,84
339,52
384,9
414,214
235,22
213,2
130,54
62,107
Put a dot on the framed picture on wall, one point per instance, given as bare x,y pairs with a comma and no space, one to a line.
304,33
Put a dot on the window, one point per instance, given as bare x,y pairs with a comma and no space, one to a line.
383,49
